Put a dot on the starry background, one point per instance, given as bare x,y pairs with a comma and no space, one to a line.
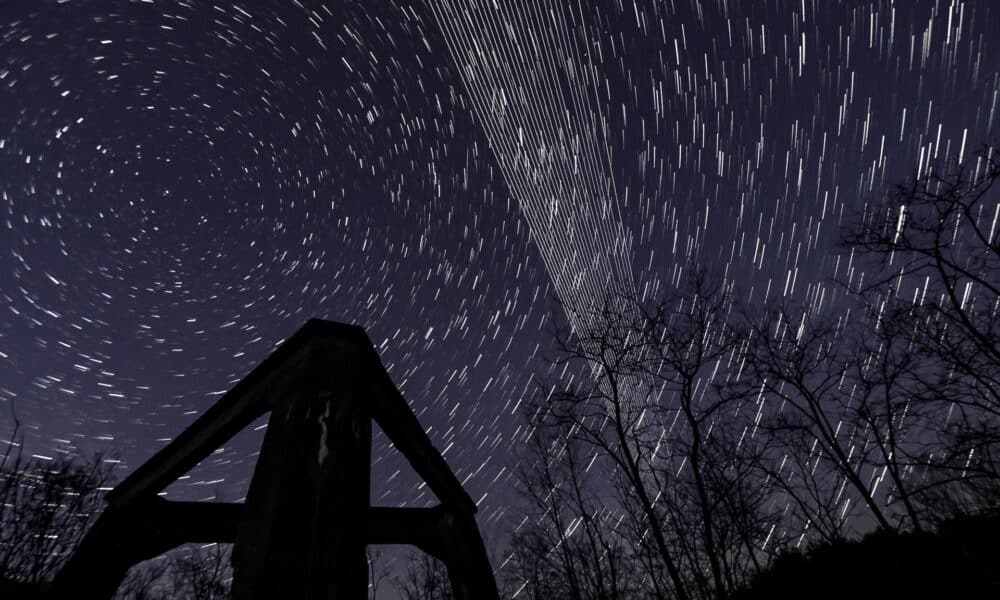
184,183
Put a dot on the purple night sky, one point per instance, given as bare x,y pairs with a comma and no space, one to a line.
183,184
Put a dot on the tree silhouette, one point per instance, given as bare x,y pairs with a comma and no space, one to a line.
565,547
933,253
689,439
641,393
958,560
46,506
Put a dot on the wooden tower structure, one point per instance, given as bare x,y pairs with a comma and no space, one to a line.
307,518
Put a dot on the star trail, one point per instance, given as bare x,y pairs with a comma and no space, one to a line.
183,184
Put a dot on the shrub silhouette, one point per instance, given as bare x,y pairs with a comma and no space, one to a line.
958,560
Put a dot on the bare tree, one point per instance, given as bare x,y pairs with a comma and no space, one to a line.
641,390
46,506
147,580
426,578
695,347
603,412
378,571
936,247
203,572
932,253
566,545
827,414
192,571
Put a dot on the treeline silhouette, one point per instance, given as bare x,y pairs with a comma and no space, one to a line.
959,560
709,443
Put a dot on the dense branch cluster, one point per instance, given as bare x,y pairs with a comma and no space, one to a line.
688,440
46,506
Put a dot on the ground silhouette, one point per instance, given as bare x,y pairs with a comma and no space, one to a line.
959,560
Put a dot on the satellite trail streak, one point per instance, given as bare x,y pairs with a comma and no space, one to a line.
535,97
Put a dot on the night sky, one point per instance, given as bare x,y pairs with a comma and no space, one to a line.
184,183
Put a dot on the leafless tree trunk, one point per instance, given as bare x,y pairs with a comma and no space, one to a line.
643,389
566,533
377,572
801,365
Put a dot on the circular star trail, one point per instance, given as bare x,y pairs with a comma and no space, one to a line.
183,184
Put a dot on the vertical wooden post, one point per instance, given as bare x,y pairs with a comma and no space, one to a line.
304,524
468,564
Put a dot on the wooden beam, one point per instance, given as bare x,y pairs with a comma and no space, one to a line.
248,400
122,537
393,415
420,527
